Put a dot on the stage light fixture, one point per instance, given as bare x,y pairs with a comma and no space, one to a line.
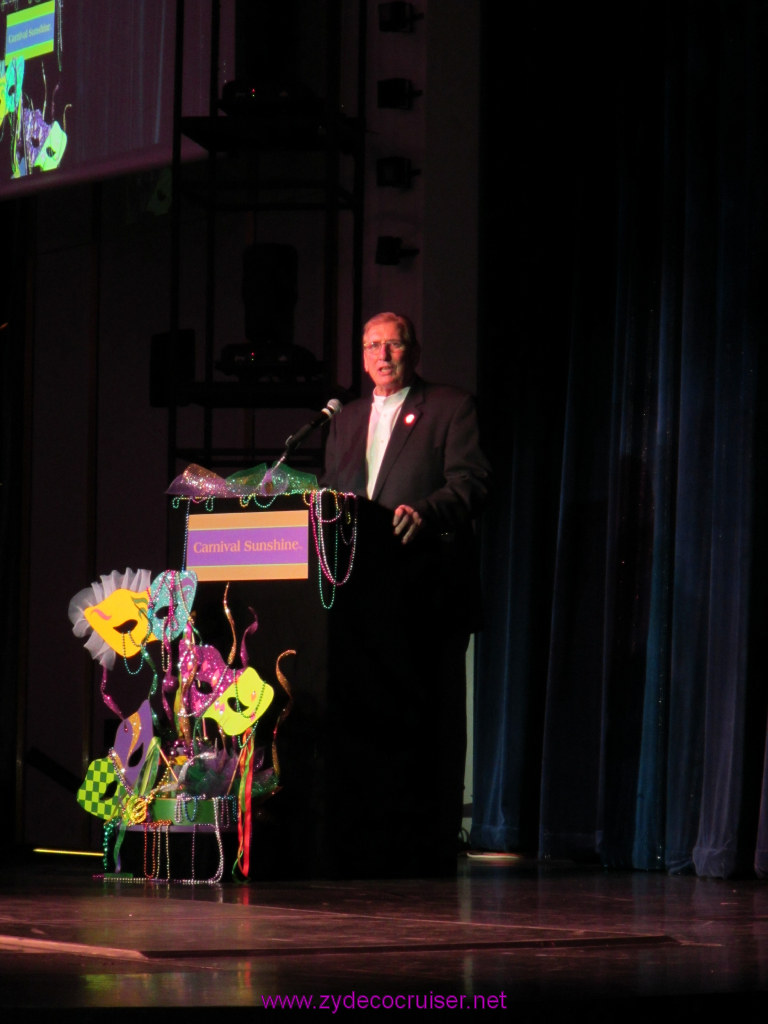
397,17
395,172
390,251
396,93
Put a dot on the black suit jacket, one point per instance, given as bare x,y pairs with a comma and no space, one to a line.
434,463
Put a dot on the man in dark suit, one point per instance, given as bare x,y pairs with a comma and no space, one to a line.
403,625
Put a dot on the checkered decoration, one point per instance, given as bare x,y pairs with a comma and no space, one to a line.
102,793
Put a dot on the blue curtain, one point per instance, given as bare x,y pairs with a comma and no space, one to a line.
621,697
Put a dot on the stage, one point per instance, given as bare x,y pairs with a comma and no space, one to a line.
541,942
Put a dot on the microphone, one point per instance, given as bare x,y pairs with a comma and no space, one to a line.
324,416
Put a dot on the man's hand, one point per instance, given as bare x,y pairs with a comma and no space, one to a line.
407,523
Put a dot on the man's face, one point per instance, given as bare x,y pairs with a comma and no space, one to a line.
389,363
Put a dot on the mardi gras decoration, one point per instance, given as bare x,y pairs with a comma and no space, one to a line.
36,138
201,747
261,481
242,703
114,614
101,792
132,741
198,759
41,143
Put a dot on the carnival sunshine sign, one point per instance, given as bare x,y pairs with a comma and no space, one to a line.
249,545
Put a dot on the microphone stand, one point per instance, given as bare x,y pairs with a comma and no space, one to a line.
295,440
267,482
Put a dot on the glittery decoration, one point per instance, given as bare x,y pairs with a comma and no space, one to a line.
197,482
105,696
136,809
251,481
173,593
242,704
270,482
246,633
281,678
203,664
187,670
231,621
200,767
213,673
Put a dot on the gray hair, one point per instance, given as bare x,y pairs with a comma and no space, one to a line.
405,327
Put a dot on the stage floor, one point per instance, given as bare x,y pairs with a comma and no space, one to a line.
536,941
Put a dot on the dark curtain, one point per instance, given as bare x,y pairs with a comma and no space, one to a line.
620,702
17,221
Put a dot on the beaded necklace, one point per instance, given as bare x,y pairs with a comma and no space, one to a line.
218,803
208,503
144,659
246,498
343,523
135,807
155,828
159,831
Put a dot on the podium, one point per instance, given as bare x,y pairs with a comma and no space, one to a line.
272,607
372,752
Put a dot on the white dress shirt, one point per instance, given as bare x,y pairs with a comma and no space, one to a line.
381,423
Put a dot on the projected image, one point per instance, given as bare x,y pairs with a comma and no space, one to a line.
87,87
33,111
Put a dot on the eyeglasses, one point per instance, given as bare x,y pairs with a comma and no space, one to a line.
396,344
